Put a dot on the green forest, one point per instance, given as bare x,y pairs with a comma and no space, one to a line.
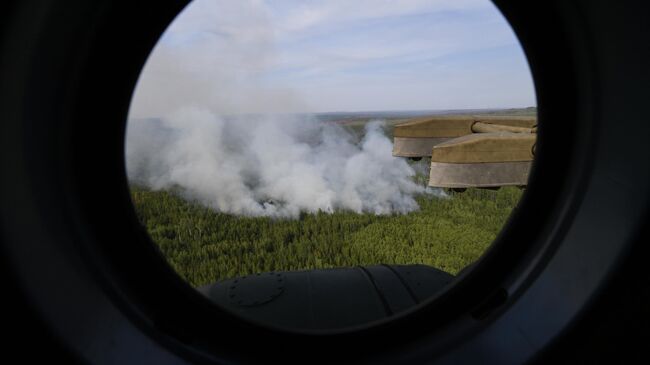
205,246
448,233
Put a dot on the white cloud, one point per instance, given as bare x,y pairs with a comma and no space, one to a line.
305,16
278,56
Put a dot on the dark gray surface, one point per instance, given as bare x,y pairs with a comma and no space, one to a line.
327,299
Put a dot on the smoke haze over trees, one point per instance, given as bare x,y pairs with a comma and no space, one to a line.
270,165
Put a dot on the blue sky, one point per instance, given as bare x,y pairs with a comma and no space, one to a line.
316,56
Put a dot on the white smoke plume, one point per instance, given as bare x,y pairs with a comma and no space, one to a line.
219,58
275,166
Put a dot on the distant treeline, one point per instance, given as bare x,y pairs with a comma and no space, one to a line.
355,122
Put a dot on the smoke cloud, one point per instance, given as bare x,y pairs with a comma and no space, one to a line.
230,58
272,165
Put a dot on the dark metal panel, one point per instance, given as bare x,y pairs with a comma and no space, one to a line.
327,299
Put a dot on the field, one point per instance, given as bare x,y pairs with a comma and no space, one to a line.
448,232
